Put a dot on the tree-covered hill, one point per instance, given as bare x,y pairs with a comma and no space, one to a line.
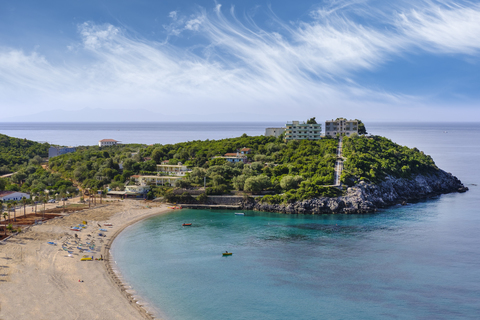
374,158
291,171
274,165
25,157
14,151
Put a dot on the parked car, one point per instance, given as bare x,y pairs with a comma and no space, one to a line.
51,201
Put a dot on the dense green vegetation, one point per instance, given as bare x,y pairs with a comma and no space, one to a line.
24,158
16,152
94,167
299,168
285,171
373,158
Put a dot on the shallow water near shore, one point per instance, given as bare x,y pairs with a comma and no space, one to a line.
418,261
404,262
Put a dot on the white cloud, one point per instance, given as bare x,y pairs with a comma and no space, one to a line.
95,35
451,30
194,24
301,68
173,15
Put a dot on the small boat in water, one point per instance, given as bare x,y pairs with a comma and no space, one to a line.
239,213
186,224
227,254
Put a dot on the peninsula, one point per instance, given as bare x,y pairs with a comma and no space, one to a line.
349,172
357,173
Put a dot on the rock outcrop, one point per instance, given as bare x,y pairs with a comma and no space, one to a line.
368,197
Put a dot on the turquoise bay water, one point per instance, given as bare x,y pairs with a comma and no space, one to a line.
420,261
378,266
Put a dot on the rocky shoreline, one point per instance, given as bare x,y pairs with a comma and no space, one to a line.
367,197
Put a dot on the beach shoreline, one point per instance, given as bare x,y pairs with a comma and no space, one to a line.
39,280
115,275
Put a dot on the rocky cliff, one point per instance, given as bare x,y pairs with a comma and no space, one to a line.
367,197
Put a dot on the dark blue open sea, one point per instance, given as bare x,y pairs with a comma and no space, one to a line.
87,134
420,261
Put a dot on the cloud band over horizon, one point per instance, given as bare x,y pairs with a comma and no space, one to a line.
317,65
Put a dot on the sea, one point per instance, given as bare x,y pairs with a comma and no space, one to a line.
419,261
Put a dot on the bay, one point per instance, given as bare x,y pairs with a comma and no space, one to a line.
418,261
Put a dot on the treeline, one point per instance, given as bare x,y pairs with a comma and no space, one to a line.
298,168
24,157
198,153
94,167
288,171
35,180
374,158
16,152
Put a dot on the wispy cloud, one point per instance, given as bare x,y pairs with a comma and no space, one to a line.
300,67
452,28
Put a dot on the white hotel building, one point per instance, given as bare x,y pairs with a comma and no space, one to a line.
107,142
302,131
341,126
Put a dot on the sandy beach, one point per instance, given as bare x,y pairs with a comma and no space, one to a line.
39,280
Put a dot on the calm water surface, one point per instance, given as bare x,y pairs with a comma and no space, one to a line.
87,134
419,261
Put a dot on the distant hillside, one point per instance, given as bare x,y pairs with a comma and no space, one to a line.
297,175
291,171
14,151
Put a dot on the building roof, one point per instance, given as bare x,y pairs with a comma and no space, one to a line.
231,154
122,192
171,165
245,149
8,175
135,176
234,157
108,140
6,193
162,177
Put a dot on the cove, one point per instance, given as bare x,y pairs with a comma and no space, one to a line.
393,264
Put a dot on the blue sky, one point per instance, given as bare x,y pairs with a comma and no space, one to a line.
243,60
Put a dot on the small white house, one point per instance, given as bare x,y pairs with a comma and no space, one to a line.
174,169
13,195
107,142
137,189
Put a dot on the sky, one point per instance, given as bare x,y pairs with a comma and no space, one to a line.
248,60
